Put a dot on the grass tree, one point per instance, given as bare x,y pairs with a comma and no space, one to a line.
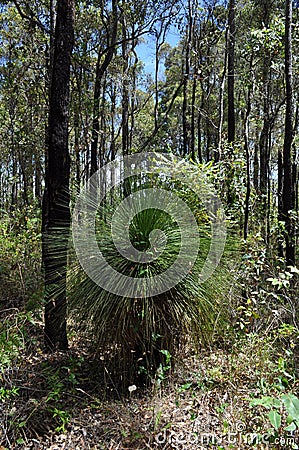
148,311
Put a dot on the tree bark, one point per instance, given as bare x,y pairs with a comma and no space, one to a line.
56,212
288,195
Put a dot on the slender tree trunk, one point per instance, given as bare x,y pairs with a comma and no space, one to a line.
160,40
264,141
56,212
231,72
133,89
103,123
38,180
113,111
78,124
199,138
77,147
125,91
192,130
100,70
14,187
264,151
256,166
221,101
186,75
125,106
247,152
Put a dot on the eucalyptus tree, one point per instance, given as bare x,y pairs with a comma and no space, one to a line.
103,61
231,72
288,194
193,71
56,212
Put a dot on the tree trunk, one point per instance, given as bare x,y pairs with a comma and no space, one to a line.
288,195
231,72
193,106
186,74
247,152
221,102
100,71
56,212
264,140
125,106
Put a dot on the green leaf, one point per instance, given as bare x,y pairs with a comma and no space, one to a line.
22,424
291,403
291,427
267,402
185,387
275,419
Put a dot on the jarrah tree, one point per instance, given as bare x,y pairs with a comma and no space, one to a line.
288,193
56,212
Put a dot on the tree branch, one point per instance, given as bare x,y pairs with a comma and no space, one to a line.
31,18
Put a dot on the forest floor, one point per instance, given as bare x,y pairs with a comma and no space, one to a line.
220,398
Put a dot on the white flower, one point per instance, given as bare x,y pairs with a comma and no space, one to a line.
132,388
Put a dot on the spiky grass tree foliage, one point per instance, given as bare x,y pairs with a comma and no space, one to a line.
134,333
138,311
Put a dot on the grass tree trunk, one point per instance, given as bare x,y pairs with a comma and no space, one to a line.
56,212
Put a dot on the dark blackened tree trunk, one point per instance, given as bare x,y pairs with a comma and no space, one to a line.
288,194
56,212
125,103
125,90
231,72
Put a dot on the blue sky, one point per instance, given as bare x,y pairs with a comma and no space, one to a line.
146,50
